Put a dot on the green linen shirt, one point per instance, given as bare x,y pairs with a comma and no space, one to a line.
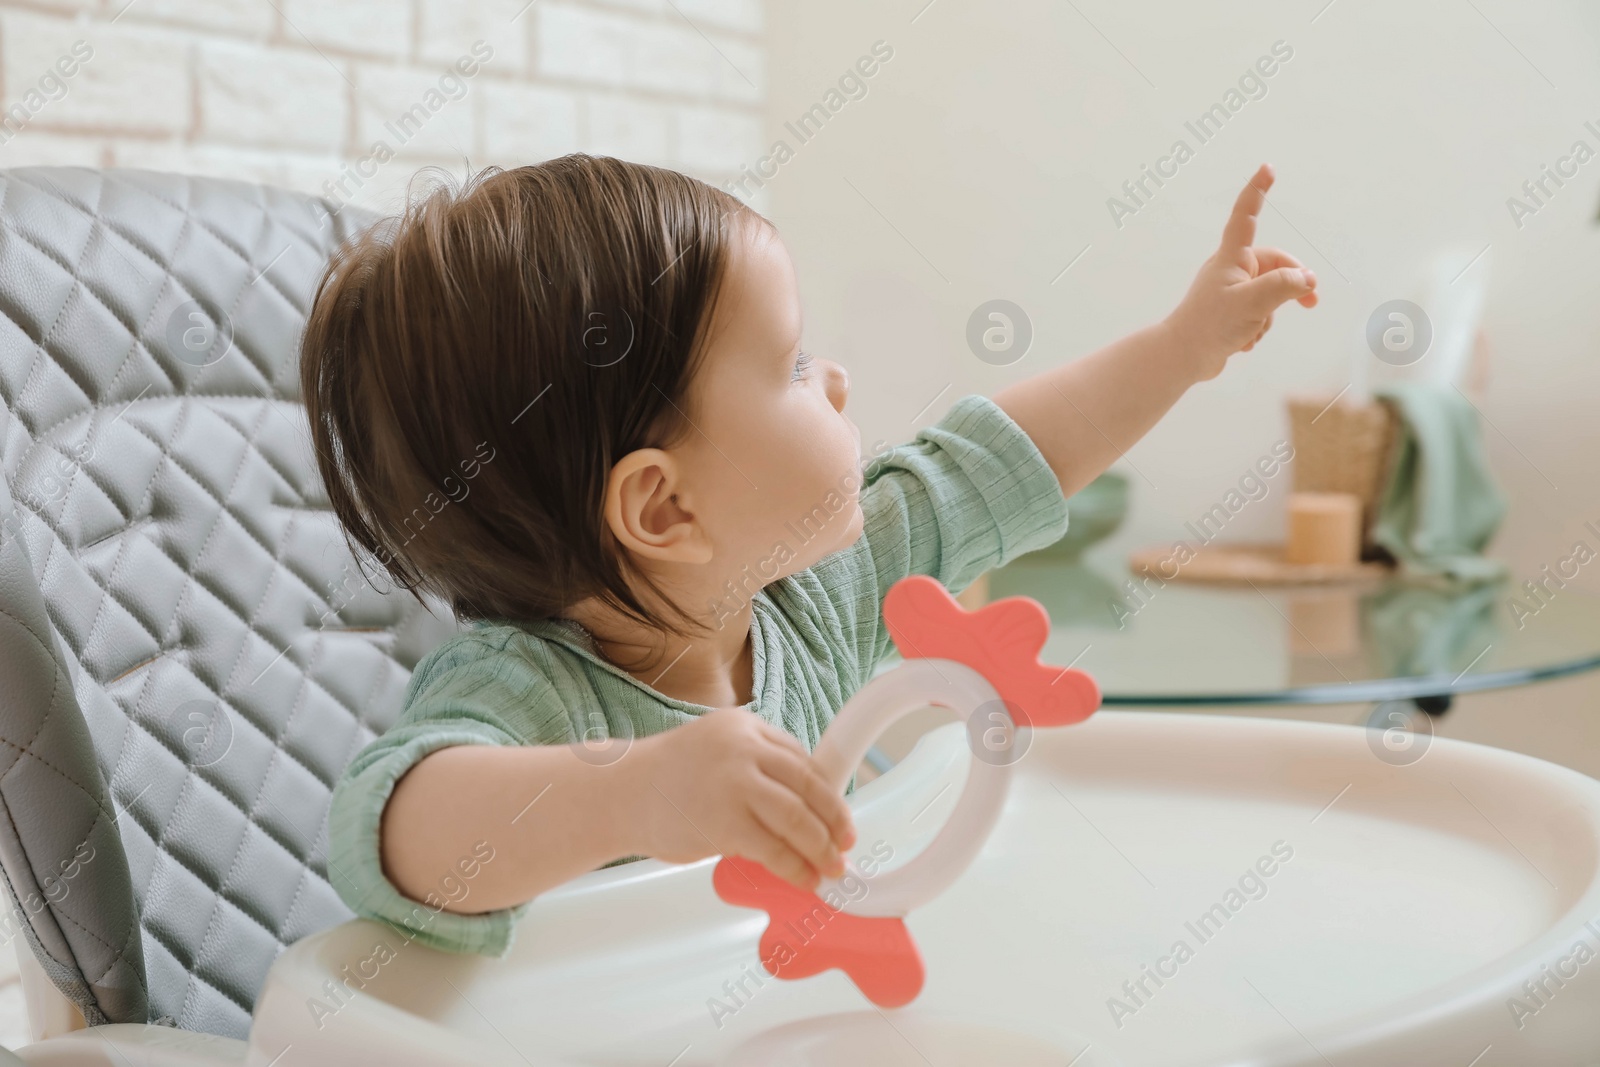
968,494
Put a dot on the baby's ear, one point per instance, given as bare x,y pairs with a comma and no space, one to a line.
644,514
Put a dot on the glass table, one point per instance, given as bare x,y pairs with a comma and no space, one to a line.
1187,643
1404,648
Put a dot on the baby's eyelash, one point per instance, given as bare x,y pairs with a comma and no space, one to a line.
801,365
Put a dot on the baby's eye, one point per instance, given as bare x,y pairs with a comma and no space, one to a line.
801,365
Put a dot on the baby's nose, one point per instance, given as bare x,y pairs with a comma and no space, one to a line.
838,384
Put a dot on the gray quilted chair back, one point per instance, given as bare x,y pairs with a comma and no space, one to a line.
188,653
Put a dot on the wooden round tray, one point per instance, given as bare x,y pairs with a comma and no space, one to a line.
1242,564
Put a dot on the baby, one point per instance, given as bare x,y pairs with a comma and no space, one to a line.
570,401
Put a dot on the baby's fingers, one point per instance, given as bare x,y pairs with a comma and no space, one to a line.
1240,231
771,851
1274,287
800,775
787,817
1268,258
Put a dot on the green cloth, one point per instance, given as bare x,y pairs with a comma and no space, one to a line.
968,494
1441,505
1421,629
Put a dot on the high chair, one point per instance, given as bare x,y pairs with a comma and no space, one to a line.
190,656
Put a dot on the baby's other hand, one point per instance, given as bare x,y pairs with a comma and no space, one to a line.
1229,306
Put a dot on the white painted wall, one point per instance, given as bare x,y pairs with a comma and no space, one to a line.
980,161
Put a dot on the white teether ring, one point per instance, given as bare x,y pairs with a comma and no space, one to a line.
915,684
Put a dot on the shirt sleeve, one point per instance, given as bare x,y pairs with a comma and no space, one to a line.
471,695
968,494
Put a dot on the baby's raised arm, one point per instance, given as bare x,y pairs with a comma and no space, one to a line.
1085,414
726,783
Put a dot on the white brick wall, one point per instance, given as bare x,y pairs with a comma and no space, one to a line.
277,100
534,119
297,92
368,27
447,28
392,106
617,48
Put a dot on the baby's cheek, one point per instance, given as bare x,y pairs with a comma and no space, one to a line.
832,463
801,466
839,481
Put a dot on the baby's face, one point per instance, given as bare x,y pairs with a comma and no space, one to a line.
773,464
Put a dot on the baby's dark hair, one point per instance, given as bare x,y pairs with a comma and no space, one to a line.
473,368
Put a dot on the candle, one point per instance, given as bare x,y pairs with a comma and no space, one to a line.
1324,528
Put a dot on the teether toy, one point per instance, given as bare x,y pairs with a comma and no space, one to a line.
983,665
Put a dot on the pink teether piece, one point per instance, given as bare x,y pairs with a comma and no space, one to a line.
1001,641
806,937
987,653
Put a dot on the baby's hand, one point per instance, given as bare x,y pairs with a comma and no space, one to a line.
732,783
1229,307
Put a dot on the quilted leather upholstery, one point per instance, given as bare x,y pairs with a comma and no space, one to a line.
188,653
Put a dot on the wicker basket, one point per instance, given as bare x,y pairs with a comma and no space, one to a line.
1341,447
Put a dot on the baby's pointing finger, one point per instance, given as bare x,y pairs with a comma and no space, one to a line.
1240,233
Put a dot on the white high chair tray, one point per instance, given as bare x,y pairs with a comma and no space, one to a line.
1405,908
